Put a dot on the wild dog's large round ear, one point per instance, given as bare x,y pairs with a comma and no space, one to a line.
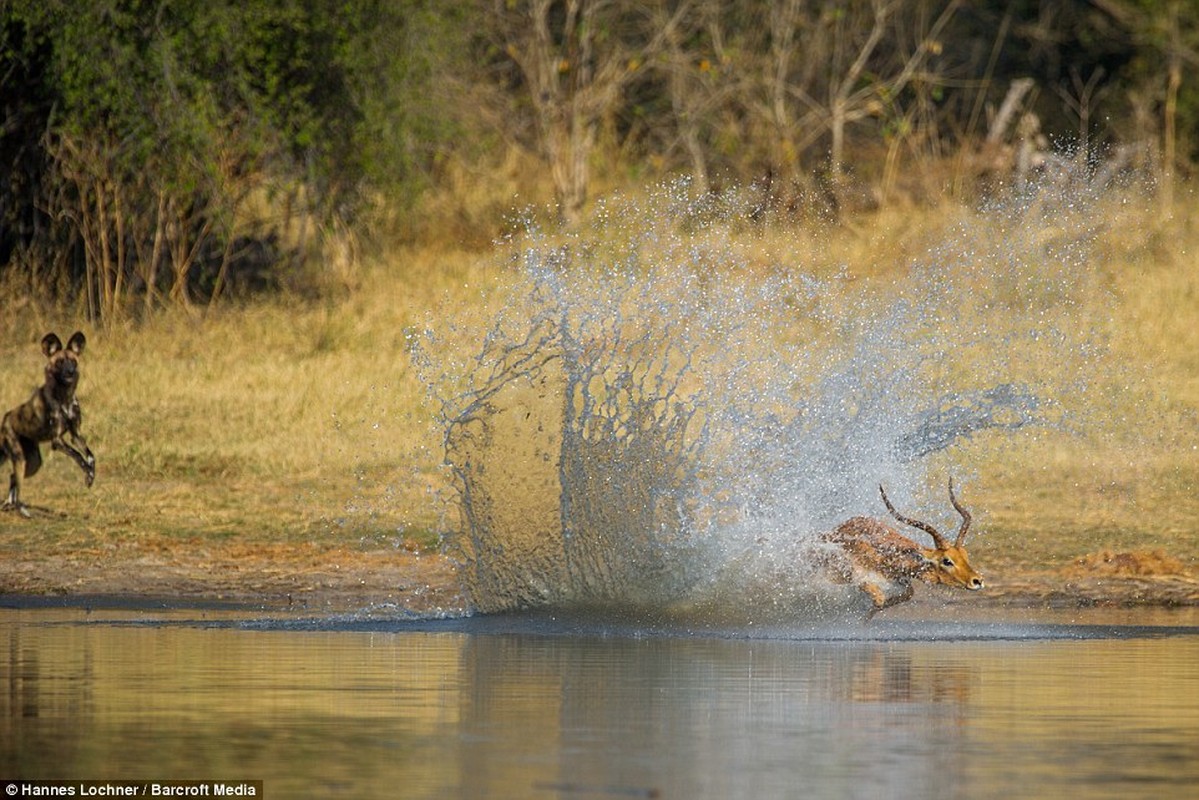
77,342
51,344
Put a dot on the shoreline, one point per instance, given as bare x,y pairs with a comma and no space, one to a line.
316,578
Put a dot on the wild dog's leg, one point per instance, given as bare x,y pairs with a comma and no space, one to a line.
82,456
13,501
33,455
81,444
14,448
10,448
77,448
75,425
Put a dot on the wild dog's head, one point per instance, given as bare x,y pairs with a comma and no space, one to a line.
62,366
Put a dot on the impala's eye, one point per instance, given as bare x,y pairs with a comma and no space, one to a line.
947,562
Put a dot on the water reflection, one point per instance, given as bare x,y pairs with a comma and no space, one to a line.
431,714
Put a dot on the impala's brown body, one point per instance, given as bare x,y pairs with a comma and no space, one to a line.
883,562
51,415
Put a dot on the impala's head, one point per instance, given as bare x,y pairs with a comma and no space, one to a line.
948,564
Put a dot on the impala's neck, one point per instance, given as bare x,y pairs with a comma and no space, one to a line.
909,559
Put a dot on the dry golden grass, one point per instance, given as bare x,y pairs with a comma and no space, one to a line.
300,421
279,420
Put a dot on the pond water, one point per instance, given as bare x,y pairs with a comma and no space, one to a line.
1025,704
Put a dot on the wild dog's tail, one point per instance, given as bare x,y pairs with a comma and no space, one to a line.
4,438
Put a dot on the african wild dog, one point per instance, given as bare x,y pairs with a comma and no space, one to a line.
48,416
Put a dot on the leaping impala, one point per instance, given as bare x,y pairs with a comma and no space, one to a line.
883,563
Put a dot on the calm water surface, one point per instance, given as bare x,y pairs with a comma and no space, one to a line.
1090,706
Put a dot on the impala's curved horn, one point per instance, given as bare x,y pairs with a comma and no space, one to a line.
938,539
966,518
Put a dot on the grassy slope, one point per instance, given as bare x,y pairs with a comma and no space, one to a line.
288,422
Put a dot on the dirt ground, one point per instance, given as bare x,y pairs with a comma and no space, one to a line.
319,577
329,577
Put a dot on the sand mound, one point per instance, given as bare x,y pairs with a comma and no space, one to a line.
1125,564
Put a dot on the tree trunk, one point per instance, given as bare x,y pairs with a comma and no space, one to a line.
1170,112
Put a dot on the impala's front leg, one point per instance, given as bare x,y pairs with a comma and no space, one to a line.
877,596
880,599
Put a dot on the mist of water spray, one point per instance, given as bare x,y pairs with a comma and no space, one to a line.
670,408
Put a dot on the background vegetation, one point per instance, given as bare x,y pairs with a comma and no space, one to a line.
169,153
249,204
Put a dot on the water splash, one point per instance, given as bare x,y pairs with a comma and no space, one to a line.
672,405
